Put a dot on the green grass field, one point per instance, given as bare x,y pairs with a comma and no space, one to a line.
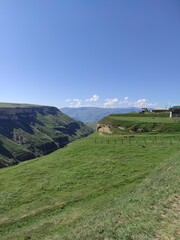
150,123
99,187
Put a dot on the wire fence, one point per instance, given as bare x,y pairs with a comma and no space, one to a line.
144,141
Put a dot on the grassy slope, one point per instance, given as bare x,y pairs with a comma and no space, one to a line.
96,188
151,122
150,211
92,125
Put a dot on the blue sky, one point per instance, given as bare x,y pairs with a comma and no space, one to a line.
110,53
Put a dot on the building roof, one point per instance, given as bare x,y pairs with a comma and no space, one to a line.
175,108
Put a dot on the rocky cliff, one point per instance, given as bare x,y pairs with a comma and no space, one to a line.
29,131
18,113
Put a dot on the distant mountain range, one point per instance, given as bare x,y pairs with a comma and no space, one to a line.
90,114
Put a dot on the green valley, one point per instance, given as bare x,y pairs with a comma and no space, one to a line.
28,131
104,186
150,123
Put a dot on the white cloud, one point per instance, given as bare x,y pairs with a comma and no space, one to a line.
76,100
94,98
141,102
144,103
126,98
78,104
109,102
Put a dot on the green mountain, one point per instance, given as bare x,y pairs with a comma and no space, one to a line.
29,131
91,114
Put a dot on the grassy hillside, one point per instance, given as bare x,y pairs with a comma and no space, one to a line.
150,211
99,187
135,122
92,125
28,131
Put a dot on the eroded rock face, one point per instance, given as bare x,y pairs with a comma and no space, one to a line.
103,128
25,156
16,113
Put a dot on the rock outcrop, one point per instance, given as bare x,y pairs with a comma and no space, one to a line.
18,113
103,128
